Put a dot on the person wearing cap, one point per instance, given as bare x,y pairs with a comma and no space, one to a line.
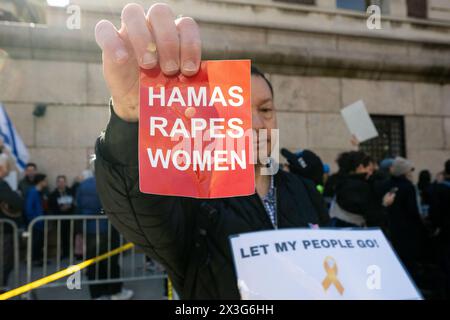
308,165
407,230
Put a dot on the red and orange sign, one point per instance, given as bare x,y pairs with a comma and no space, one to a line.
195,137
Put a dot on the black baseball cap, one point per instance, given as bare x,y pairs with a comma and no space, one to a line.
306,164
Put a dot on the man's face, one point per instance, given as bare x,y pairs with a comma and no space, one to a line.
263,113
30,172
61,183
367,170
371,168
43,183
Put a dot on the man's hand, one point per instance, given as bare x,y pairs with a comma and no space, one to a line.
388,199
354,141
146,41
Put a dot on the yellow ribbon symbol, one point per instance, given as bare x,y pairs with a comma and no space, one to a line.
331,269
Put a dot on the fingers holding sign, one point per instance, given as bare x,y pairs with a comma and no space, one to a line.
190,45
145,40
139,35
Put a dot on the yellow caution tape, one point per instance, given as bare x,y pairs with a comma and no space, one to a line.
169,290
63,273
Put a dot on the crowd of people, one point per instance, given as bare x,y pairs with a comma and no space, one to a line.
33,199
414,217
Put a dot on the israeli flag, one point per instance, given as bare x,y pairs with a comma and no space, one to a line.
12,140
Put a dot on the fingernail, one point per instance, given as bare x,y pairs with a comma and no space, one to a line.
148,59
171,66
121,54
189,66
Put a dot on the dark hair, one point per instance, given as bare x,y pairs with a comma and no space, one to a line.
349,161
447,167
424,180
31,164
256,72
61,176
38,178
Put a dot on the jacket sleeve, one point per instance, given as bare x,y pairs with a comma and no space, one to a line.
412,208
29,207
160,225
353,197
13,200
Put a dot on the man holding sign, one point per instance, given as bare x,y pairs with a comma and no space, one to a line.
174,204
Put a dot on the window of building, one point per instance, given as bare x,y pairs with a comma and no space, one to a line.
357,5
417,8
23,11
310,2
391,139
361,5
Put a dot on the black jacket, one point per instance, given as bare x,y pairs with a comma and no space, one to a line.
53,204
13,202
407,230
190,237
440,209
358,195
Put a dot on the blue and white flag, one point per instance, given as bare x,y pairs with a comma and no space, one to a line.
12,140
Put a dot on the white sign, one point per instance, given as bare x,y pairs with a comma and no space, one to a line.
319,264
359,122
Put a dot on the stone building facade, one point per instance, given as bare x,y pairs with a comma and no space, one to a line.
319,56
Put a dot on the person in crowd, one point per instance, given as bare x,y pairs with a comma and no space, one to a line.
424,187
385,167
189,237
308,165
7,158
88,203
356,204
380,197
34,207
440,176
440,218
407,230
61,202
11,207
28,180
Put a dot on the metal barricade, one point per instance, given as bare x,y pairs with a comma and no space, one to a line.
9,253
97,236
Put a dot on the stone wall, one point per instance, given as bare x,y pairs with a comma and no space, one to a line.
62,140
309,114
